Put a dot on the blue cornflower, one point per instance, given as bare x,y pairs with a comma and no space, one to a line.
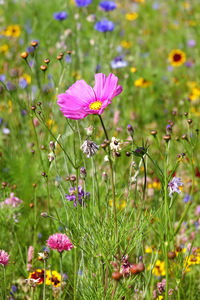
81,196
104,26
83,3
23,83
108,5
118,62
60,16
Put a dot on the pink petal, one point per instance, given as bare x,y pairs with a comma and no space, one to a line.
74,100
106,88
100,80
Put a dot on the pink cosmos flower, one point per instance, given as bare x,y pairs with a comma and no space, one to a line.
13,201
4,258
81,99
60,242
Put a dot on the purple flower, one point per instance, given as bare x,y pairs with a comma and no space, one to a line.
107,5
23,83
191,43
174,186
104,26
10,86
60,16
81,196
2,78
83,3
187,198
118,62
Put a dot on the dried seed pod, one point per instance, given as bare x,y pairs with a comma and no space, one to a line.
116,275
186,113
69,52
128,154
31,205
34,185
134,269
189,121
33,107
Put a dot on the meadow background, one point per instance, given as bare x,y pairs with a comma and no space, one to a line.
153,127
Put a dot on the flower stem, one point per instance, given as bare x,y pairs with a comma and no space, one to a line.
112,181
166,222
4,279
145,178
61,273
44,286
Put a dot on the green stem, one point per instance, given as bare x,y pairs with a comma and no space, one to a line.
61,273
4,279
112,181
44,285
166,224
145,179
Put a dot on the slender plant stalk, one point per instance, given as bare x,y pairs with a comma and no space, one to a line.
166,224
61,273
145,178
4,279
44,285
112,181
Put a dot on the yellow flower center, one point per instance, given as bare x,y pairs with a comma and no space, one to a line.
95,105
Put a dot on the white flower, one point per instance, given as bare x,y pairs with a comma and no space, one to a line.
106,159
115,144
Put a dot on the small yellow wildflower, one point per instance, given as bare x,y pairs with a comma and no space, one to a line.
148,250
4,49
12,31
159,268
177,57
126,44
131,16
141,82
133,69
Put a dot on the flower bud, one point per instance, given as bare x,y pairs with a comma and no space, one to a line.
52,145
171,254
140,267
73,178
44,215
153,132
34,43
47,61
83,173
116,275
24,55
43,68
167,137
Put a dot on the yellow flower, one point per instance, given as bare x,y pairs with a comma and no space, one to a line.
126,44
131,16
156,185
177,57
159,268
133,69
148,250
141,82
139,1
160,297
191,84
12,31
10,106
52,277
186,5
122,204
4,49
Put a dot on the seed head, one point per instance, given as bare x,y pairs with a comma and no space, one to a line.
34,43
154,132
167,137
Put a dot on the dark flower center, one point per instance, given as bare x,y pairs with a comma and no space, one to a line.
177,57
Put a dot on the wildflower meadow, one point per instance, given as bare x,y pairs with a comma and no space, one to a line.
99,149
